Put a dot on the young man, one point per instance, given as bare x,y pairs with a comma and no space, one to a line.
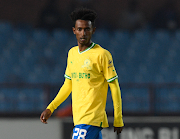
88,73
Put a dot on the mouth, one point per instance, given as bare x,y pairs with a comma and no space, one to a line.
83,39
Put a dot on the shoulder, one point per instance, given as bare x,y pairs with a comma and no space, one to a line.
72,49
102,51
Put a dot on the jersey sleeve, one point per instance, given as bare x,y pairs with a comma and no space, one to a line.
108,67
117,103
67,72
62,95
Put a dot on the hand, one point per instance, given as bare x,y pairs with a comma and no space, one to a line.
45,115
118,129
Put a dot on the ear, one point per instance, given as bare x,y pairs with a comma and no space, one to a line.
94,29
73,29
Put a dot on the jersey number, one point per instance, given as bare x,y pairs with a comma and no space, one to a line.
81,133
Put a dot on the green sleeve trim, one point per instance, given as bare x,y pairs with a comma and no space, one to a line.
66,76
112,79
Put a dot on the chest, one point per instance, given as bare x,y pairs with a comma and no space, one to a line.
89,62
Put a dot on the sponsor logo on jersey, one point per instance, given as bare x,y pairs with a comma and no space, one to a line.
80,75
110,63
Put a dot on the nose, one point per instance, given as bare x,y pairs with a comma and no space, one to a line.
83,32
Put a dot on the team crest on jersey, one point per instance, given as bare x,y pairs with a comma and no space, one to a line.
87,63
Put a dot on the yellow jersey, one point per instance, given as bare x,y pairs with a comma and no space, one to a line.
90,72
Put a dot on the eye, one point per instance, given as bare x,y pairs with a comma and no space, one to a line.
87,29
79,29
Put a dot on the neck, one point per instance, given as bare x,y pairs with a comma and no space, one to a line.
84,47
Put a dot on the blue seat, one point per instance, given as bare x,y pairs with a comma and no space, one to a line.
109,102
123,36
101,37
2,101
167,100
57,74
136,100
166,74
122,40
20,37
26,107
71,43
40,74
3,40
5,28
177,77
177,34
5,32
31,100
9,99
40,37
123,73
163,37
62,36
143,78
3,71
142,36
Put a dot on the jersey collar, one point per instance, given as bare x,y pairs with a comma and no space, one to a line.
91,46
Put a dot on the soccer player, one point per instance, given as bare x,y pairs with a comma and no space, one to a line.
88,73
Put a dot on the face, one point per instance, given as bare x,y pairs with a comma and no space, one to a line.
83,30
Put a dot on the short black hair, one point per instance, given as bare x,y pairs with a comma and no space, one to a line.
83,14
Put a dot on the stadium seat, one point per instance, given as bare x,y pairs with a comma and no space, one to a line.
5,32
37,56
143,37
41,37
31,100
101,37
61,36
20,37
122,36
5,28
136,100
177,35
167,100
163,37
109,104
9,99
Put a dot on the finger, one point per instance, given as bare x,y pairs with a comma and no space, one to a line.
42,115
117,132
45,120
115,129
41,118
120,130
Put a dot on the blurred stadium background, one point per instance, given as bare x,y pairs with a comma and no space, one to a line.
143,37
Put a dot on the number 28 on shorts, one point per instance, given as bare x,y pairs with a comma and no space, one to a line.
79,133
